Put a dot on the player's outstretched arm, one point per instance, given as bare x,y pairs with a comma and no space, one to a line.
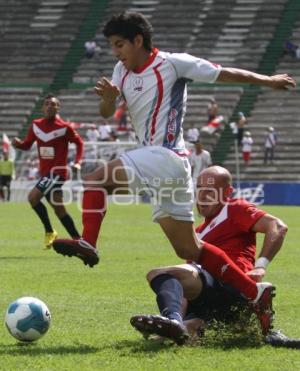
274,230
235,75
109,93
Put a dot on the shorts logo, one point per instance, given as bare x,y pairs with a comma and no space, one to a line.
138,84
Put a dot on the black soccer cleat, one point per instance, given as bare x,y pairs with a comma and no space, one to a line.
277,339
158,325
79,248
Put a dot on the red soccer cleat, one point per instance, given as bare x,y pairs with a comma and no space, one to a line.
79,248
263,306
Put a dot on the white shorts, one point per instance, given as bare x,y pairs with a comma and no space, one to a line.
164,175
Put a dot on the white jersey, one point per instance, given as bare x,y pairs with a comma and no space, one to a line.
199,162
156,95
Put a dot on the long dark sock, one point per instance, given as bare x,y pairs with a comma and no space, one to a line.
169,295
69,225
42,213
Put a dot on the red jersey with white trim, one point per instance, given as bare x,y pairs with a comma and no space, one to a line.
231,231
156,95
53,138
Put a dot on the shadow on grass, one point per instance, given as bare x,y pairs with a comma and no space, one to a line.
33,349
152,346
141,346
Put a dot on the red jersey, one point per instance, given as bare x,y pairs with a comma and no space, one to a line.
53,138
230,230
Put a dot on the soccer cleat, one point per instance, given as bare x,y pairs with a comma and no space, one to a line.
49,239
263,305
277,339
79,248
162,326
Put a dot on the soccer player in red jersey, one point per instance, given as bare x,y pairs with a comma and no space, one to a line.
230,224
153,83
52,135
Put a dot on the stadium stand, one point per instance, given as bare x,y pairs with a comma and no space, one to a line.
16,105
36,37
282,111
237,33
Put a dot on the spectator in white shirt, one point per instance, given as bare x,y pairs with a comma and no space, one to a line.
247,143
200,159
92,134
270,143
105,131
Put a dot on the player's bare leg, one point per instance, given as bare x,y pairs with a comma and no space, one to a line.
106,179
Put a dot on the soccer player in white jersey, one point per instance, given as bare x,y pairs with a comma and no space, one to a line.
153,83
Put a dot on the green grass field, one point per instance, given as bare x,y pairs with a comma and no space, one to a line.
91,308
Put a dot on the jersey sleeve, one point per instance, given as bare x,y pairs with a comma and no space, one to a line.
245,215
194,68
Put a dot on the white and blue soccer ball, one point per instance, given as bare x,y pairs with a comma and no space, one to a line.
27,319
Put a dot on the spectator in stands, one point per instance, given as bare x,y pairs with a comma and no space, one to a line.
200,159
270,144
105,131
92,134
247,143
90,48
289,48
241,122
33,171
192,134
52,135
212,110
7,170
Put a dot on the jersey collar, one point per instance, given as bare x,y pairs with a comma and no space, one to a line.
150,60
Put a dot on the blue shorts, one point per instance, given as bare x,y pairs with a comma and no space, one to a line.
50,183
217,301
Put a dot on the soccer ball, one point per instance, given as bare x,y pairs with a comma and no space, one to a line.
27,319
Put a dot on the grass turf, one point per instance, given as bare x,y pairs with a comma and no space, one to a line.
91,308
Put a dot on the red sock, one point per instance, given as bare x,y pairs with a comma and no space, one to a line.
219,265
94,209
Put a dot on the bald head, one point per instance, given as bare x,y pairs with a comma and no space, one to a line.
217,175
213,189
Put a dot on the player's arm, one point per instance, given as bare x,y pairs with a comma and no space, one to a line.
235,75
74,137
274,230
109,94
25,144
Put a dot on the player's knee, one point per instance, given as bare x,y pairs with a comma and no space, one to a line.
153,273
32,200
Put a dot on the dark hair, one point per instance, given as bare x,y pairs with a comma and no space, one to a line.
129,25
49,96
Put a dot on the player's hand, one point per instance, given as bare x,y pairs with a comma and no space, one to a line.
76,166
257,274
283,82
106,90
16,142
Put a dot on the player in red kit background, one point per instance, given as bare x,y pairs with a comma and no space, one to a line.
230,224
52,135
